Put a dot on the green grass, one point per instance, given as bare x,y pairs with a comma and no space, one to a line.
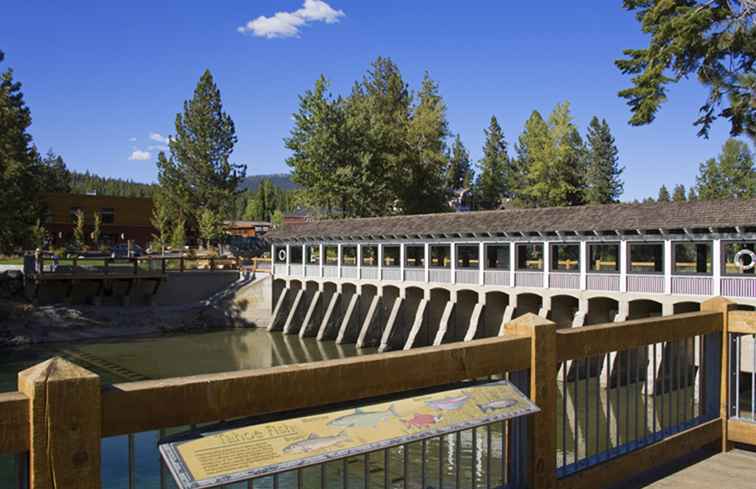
12,261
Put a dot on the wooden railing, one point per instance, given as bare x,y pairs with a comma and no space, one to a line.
61,411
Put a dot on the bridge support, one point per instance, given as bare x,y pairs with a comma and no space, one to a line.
331,318
313,317
443,325
372,325
296,312
281,311
393,318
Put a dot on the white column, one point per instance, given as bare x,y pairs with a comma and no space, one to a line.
546,263
401,262
359,261
380,261
453,264
716,267
288,259
273,259
426,262
482,263
338,260
321,258
667,266
583,265
305,261
512,262
623,266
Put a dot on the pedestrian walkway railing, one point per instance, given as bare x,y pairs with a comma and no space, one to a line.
637,394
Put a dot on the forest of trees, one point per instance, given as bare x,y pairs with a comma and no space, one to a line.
388,142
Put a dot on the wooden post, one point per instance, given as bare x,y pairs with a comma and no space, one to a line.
724,306
65,422
543,387
181,263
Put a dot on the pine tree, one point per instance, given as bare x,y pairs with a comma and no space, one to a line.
532,146
603,172
692,194
178,236
19,166
79,235
678,193
198,173
423,187
731,175
663,194
491,185
460,172
210,227
556,169
53,174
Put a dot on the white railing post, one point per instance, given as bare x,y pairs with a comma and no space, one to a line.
359,261
426,262
288,260
482,263
321,259
583,263
401,261
453,264
305,262
623,266
273,260
380,261
716,267
667,266
338,260
512,263
546,263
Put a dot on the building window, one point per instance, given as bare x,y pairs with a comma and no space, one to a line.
108,215
468,256
280,254
295,254
414,256
72,214
646,258
603,257
565,257
530,256
369,256
313,254
497,257
391,256
331,255
440,256
349,256
691,258
744,264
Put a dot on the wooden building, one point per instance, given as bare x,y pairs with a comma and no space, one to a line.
247,229
123,218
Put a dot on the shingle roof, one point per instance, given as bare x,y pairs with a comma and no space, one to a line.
647,216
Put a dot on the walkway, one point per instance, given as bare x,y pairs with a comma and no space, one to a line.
735,469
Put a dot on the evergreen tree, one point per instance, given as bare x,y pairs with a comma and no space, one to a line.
491,185
532,146
460,172
710,40
53,174
160,220
79,235
692,194
198,173
663,194
84,183
178,236
210,227
423,187
18,166
731,175
603,172
556,170
678,193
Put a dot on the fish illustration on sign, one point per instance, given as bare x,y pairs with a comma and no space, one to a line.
421,421
448,403
363,419
316,442
497,404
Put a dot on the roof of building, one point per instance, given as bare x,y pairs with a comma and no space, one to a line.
246,224
610,217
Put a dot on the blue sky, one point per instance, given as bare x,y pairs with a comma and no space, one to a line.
102,77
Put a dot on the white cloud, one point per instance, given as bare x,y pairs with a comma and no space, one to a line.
287,24
156,136
132,140
139,155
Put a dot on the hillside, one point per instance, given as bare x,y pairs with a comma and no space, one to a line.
280,180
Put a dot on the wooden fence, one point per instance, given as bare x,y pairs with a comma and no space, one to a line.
61,411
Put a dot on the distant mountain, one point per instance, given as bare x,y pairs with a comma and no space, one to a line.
280,180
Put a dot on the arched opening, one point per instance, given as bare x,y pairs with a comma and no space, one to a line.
278,287
528,303
311,286
466,301
412,298
434,312
295,285
601,310
390,294
496,306
683,307
644,308
563,309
